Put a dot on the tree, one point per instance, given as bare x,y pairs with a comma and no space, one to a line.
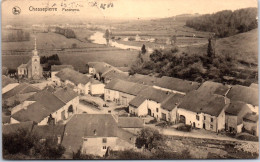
107,36
150,139
210,51
143,49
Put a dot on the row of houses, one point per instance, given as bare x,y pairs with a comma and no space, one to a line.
92,133
81,83
206,106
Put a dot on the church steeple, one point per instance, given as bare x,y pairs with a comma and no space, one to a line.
35,52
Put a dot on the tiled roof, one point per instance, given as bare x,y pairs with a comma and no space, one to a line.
114,74
251,117
210,104
130,122
60,67
48,100
12,128
245,94
214,88
73,76
154,94
48,130
143,79
236,107
125,86
20,89
7,80
23,66
86,125
101,67
65,94
177,84
172,101
34,112
137,101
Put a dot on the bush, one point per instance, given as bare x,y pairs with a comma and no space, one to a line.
185,128
247,137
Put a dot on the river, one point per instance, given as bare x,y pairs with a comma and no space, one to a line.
98,38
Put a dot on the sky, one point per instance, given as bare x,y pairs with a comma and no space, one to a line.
124,9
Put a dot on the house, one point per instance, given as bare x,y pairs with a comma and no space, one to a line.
234,116
55,69
80,81
45,107
143,79
19,94
13,128
95,134
138,106
121,91
169,107
154,99
32,69
201,110
44,132
244,94
250,122
96,87
97,69
176,85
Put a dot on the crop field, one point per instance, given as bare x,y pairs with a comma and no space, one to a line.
78,60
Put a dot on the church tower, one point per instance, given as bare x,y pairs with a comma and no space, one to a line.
36,66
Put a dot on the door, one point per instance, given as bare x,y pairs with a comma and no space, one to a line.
194,125
163,116
149,112
182,119
204,126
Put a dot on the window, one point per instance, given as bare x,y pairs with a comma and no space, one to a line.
198,117
211,126
104,140
204,117
211,119
157,109
104,147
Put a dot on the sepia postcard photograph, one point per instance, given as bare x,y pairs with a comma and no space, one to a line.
129,79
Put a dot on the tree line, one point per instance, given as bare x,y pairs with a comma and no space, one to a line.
68,33
17,36
226,23
49,61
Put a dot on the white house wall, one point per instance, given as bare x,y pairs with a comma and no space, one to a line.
95,145
97,89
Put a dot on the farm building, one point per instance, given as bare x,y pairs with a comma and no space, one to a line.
46,107
234,116
210,87
250,122
244,94
95,134
169,107
205,111
56,68
122,92
79,81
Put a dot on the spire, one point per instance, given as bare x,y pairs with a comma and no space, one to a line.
35,43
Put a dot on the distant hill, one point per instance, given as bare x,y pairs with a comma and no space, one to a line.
242,46
226,23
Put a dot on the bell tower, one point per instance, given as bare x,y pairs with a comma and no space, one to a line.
36,66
